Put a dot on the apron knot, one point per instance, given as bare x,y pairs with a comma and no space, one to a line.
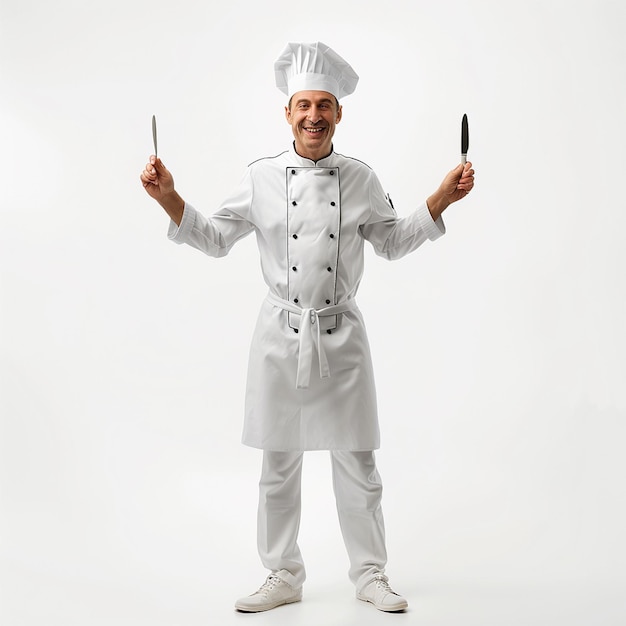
310,336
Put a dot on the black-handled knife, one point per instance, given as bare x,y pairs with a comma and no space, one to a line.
154,135
464,139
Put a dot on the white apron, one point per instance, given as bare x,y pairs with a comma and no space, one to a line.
310,380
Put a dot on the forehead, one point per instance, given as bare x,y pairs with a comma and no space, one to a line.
312,96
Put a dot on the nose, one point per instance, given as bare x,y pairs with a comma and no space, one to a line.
314,115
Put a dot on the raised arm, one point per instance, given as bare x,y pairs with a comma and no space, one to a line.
159,184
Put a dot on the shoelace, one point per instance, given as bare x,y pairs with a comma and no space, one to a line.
383,583
268,585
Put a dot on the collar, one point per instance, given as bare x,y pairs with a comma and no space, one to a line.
304,162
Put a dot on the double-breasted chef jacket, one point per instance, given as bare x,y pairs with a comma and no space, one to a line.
310,380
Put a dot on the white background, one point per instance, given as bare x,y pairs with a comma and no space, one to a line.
127,498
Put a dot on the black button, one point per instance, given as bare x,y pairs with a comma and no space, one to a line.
332,172
296,300
330,269
294,236
294,203
332,236
330,332
294,268
295,330
327,301
293,171
332,204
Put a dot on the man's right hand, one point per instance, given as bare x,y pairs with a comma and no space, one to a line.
156,179
159,184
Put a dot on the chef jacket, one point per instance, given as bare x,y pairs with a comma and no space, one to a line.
310,382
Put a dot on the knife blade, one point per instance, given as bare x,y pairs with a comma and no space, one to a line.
154,135
464,139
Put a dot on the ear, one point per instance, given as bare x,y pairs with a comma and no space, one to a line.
288,115
339,114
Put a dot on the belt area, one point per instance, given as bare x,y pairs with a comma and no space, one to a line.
310,335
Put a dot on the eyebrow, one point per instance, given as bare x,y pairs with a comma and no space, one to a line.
322,101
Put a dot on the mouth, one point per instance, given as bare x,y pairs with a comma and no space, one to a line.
314,130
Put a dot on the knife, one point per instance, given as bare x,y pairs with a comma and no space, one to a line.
154,135
464,139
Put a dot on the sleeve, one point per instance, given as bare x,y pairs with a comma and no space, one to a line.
216,235
394,237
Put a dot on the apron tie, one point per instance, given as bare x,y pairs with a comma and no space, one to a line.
310,335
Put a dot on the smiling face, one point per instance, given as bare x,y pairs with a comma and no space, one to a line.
313,116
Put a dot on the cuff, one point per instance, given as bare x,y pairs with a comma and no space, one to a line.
432,229
179,234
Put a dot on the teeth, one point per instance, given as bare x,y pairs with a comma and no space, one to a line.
314,130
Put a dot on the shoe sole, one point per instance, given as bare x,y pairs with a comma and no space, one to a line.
401,606
265,607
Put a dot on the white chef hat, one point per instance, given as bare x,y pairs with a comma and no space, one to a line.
313,66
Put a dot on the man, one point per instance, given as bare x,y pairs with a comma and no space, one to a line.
310,379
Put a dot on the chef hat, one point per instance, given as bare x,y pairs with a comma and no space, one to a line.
313,66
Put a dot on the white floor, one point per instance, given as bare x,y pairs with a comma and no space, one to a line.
52,601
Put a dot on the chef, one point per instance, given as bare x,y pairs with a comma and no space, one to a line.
310,381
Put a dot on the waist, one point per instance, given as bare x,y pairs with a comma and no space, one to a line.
324,312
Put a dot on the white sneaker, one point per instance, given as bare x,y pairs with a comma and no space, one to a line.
381,595
272,593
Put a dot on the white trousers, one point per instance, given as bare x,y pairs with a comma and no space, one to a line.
358,491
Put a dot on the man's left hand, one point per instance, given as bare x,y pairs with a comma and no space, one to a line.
456,185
